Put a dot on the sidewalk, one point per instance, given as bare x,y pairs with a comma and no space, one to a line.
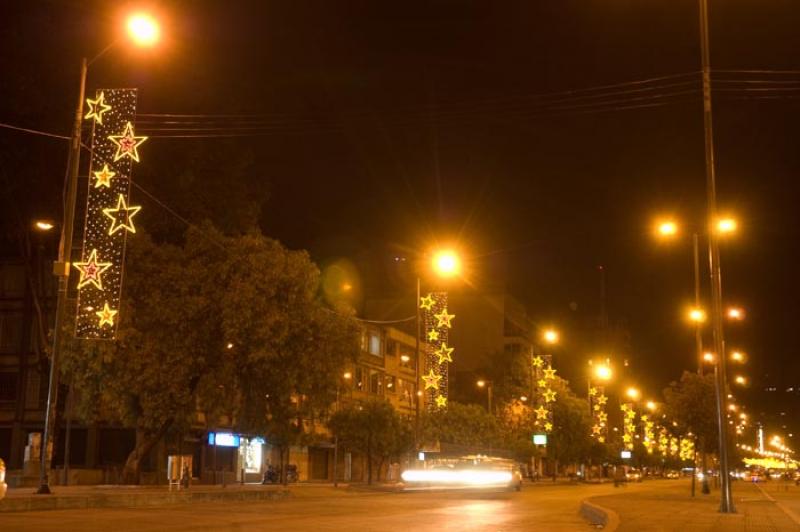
665,505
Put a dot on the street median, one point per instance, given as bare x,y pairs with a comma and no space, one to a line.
599,516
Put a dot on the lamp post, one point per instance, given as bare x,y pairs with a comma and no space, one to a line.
143,30
488,385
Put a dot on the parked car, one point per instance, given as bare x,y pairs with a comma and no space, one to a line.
672,474
633,475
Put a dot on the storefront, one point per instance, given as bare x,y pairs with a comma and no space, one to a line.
239,457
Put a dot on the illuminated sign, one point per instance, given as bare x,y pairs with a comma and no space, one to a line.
223,439
625,455
540,439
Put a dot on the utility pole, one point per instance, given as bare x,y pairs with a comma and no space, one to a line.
62,269
416,370
726,498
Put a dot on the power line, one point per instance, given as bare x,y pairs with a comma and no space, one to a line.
33,131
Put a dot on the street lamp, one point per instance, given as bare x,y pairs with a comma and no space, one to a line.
735,313
740,380
550,336
667,228
726,226
138,32
602,372
143,29
633,393
737,356
43,225
481,383
651,406
446,263
697,315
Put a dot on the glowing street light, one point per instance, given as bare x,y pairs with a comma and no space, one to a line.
488,385
603,372
43,225
709,358
667,228
651,406
726,225
737,356
697,315
446,263
551,336
347,375
143,29
739,379
633,393
735,313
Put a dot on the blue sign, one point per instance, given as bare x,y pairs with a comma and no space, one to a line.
223,439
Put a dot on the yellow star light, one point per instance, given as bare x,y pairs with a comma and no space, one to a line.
624,408
91,270
538,362
601,439
602,417
103,177
426,302
549,396
602,400
441,401
592,391
444,353
97,108
549,373
431,380
127,144
541,383
541,412
106,315
626,438
121,216
596,429
548,427
433,335
644,417
596,408
444,319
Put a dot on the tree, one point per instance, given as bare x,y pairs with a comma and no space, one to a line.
373,428
691,403
570,440
229,325
463,425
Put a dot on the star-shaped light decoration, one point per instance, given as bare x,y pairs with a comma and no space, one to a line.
630,414
431,380
433,335
624,408
541,412
538,362
596,429
91,271
541,383
549,396
97,108
601,439
602,400
592,391
549,373
626,438
602,417
443,353
444,319
106,315
426,302
127,144
121,216
596,408
103,177
441,401
548,427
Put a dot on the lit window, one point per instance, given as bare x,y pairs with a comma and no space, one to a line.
374,344
391,384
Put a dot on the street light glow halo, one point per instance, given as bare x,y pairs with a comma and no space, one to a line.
143,29
446,263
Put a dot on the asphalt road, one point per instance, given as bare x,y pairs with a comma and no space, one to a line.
542,507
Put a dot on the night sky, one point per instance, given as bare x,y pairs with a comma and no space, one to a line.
374,127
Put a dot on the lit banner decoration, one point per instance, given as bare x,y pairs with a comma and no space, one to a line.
437,322
648,432
109,214
628,425
686,449
544,375
597,402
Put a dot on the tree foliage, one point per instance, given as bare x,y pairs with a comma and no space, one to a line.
232,326
691,403
462,425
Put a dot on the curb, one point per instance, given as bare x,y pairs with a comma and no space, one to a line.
599,516
133,500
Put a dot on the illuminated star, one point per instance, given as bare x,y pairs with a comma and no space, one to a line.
596,407
106,315
121,216
602,400
602,417
644,417
624,408
431,380
630,414
601,439
433,335
542,383
91,270
596,429
549,396
541,412
97,108
426,302
103,177
441,401
444,318
549,373
592,391
626,438
548,427
538,362
444,353
127,144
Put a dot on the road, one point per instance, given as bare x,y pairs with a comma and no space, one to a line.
541,507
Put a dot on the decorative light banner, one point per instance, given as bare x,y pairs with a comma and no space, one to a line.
109,216
686,449
663,441
648,431
597,402
628,425
544,375
437,322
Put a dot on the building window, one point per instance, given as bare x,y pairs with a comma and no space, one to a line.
391,383
375,382
359,379
8,386
374,344
391,347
